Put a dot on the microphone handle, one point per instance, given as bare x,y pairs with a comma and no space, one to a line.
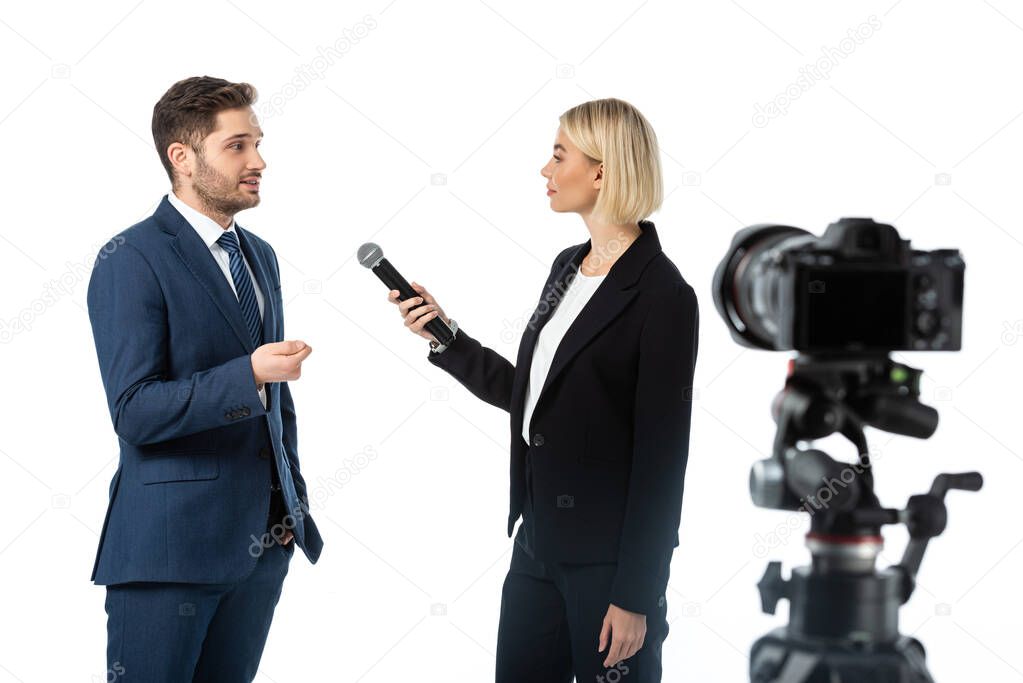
390,276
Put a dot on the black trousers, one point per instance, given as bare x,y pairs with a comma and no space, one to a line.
551,616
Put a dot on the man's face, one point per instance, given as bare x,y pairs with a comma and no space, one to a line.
228,170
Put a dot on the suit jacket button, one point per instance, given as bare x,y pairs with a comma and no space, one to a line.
264,452
246,411
229,415
538,439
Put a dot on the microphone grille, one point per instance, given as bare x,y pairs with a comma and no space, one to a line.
369,254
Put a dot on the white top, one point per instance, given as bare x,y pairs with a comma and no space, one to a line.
210,231
578,293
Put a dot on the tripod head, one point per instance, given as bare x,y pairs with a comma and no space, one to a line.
824,395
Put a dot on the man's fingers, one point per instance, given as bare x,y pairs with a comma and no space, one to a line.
290,365
286,348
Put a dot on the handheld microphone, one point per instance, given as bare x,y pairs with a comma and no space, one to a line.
372,256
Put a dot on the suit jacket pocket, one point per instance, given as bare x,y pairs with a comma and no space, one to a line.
199,442
154,469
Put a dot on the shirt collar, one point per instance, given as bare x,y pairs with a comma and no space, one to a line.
209,230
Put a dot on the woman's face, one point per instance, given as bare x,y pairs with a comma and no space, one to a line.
573,179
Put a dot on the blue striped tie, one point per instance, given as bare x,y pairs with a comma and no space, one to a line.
243,286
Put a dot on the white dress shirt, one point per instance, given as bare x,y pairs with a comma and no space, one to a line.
578,293
210,231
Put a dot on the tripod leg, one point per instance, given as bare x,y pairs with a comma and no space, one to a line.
798,667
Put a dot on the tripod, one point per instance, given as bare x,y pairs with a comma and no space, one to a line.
844,613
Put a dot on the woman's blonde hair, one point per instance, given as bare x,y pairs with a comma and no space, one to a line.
614,133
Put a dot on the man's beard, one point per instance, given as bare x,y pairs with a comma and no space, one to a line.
218,193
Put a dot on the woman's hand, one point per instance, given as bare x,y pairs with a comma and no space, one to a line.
415,315
627,630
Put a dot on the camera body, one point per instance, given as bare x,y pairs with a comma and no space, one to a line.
859,288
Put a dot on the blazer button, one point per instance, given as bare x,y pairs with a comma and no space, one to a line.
246,411
538,439
264,452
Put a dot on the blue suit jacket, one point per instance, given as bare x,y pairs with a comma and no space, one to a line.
191,493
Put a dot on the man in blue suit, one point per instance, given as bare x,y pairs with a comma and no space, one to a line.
208,502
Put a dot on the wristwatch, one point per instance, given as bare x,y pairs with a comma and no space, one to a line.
439,348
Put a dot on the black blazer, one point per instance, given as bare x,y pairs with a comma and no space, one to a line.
601,479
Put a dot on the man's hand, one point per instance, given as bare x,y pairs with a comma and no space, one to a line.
286,538
627,631
279,361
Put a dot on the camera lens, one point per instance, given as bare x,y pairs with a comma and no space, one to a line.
748,283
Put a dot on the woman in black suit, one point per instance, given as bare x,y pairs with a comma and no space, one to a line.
600,399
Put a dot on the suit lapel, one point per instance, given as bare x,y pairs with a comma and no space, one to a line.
200,262
259,269
610,299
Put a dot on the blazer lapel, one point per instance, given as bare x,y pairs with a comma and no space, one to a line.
612,297
603,307
200,262
553,291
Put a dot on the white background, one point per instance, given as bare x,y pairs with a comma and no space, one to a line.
427,136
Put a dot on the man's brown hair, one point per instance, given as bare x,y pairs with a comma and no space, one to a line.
187,112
